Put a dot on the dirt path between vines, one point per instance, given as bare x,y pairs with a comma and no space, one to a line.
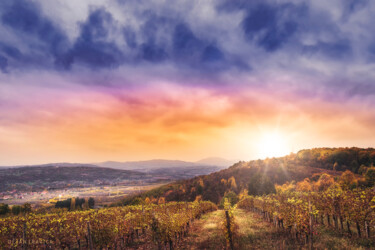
206,233
254,233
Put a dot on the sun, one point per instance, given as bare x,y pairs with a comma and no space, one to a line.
273,144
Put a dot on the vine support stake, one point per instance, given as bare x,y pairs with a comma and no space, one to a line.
89,236
367,229
24,237
229,231
311,226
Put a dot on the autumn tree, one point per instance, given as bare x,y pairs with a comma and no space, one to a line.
161,200
304,186
26,208
72,204
347,180
16,209
198,198
286,187
370,177
324,182
91,202
243,194
231,197
147,201
232,183
4,209
224,182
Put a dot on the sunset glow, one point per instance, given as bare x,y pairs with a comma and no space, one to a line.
273,144
123,81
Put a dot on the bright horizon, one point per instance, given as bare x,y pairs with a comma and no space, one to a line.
121,81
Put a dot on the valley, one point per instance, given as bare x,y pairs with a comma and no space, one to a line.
108,182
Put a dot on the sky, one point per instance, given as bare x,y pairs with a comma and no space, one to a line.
91,80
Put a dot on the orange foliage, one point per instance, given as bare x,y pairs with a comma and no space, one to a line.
324,182
232,182
287,187
161,200
347,180
304,185
201,183
198,198
224,181
243,194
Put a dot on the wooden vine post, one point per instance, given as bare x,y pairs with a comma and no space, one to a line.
89,236
24,236
229,231
311,226
367,229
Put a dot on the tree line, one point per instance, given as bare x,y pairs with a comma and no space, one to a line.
5,209
76,203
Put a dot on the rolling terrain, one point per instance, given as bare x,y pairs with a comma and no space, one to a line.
67,175
300,200
264,174
54,177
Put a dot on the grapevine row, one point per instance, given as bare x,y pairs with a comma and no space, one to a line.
116,227
298,211
229,225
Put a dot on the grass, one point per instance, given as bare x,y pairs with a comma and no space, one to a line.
206,233
254,233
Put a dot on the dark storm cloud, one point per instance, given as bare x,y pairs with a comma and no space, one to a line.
3,63
92,47
185,43
336,50
11,51
212,54
205,39
154,46
26,19
265,25
159,39
269,25
130,37
199,52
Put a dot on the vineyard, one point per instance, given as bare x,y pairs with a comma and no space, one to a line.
325,210
118,227
299,212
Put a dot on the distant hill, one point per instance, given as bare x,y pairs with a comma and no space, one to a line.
216,161
64,175
160,163
180,169
144,165
51,176
265,173
57,164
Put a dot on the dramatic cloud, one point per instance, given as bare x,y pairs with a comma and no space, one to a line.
195,78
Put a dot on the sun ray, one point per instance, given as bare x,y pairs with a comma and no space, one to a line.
273,144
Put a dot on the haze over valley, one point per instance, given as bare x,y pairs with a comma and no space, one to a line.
107,180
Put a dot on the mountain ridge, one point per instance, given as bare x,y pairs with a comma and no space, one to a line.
307,163
127,165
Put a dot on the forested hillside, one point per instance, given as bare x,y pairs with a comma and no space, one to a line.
260,176
356,160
